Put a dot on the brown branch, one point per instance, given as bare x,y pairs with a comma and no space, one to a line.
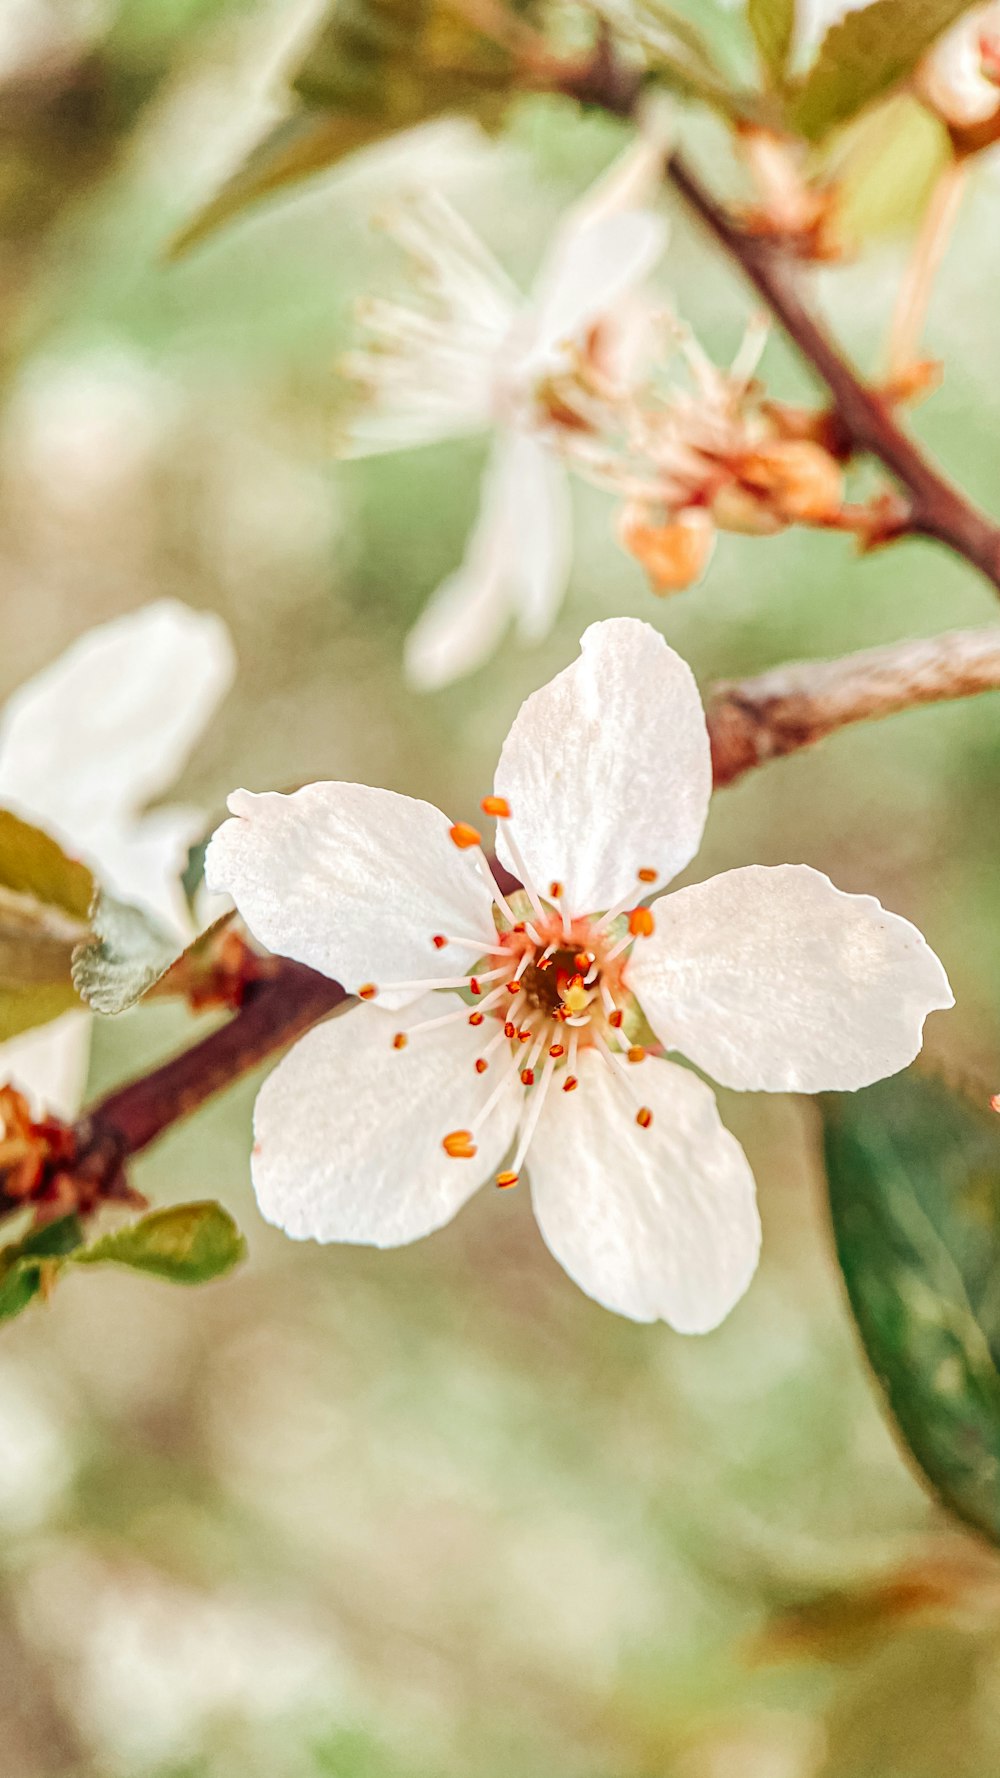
754,720
937,508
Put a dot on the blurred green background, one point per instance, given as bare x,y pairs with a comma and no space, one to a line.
434,1514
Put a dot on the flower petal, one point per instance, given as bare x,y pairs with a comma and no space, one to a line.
49,1064
658,1223
92,738
142,862
592,268
517,561
773,980
348,1129
607,769
353,881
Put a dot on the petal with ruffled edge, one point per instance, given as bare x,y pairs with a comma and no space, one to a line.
659,1224
772,980
108,726
348,1129
353,881
49,1064
517,561
607,769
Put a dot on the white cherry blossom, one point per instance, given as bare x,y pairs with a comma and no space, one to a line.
498,1035
475,356
84,746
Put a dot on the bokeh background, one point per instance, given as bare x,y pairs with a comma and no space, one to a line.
434,1514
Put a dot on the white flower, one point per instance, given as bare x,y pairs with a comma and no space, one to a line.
478,357
84,746
959,78
379,1124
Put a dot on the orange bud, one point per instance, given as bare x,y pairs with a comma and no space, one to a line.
674,554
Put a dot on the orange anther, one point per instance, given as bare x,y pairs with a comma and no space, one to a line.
616,1019
641,923
506,1180
637,1053
400,1040
525,1035
496,805
647,874
557,1049
510,1029
520,927
481,1064
439,941
463,836
570,1083
582,960
459,1144
644,1117
476,1018
367,991
513,987
555,890
527,1077
474,987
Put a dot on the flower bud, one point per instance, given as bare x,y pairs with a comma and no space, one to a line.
675,554
959,78
795,478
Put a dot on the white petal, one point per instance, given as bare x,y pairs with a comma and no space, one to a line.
110,723
49,1064
773,980
634,178
658,1223
539,561
348,1130
517,561
143,861
607,769
589,272
353,881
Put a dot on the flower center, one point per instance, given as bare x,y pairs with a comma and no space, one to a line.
552,984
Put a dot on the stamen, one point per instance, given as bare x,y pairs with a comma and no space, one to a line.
557,1049
476,1018
481,1064
570,1084
367,991
459,1145
496,805
644,1117
464,837
529,887
534,1112
636,1053
400,1040
439,941
527,1077
641,923
555,890
616,1019
647,874
506,1180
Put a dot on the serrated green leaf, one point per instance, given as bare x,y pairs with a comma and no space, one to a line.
772,24
22,1264
375,67
186,1244
914,1180
127,954
867,54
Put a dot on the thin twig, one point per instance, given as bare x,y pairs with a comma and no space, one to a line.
754,720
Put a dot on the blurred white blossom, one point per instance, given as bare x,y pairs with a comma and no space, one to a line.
472,355
380,1124
84,746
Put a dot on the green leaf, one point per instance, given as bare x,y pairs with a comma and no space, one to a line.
128,953
886,168
864,56
772,23
914,1180
23,1263
186,1244
375,66
44,901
